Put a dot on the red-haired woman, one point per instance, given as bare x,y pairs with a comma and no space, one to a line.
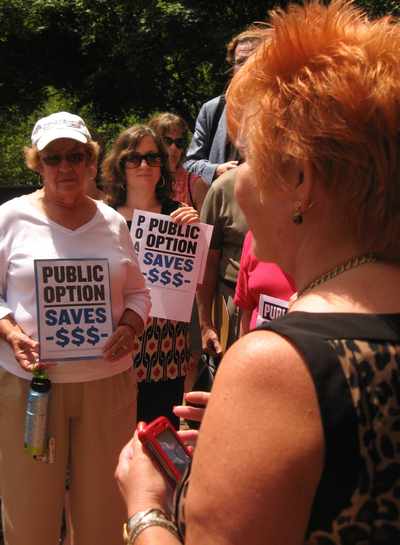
300,440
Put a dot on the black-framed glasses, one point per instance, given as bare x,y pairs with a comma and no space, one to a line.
180,143
73,158
134,160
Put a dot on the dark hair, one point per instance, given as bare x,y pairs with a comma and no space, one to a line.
113,167
166,121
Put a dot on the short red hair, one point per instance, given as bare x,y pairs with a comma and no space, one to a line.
325,87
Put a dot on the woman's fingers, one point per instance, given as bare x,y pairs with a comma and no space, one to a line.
185,214
199,398
141,483
119,344
26,351
189,413
189,437
195,405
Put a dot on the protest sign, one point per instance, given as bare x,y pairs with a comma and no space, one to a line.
270,308
172,258
73,308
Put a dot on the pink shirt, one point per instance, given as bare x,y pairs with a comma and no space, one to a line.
257,278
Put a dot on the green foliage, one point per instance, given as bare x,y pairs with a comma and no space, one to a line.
16,128
15,132
119,55
115,61
14,135
378,8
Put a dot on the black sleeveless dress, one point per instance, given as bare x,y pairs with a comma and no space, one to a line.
354,361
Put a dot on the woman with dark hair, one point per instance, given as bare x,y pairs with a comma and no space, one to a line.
174,132
189,188
123,170
138,177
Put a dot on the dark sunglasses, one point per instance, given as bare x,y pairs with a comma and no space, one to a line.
134,160
180,143
73,158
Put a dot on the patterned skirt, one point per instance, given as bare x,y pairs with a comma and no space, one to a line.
163,351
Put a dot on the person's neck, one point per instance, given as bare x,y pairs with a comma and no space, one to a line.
318,258
142,201
69,211
62,202
174,167
93,191
333,276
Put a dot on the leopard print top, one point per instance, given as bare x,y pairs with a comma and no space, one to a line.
354,360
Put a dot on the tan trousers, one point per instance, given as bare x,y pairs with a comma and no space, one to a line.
90,422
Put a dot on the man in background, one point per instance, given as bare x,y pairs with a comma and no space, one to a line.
210,153
218,315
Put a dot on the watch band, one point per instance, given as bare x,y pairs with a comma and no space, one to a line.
144,519
137,517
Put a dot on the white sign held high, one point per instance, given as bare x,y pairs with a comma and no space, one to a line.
172,259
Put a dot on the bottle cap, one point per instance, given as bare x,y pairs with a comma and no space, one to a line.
40,382
40,373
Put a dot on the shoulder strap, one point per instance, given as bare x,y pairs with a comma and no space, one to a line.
189,182
217,117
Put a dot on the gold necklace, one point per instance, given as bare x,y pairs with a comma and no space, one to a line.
339,269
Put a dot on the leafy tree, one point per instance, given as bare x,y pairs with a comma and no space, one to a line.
115,61
119,55
378,8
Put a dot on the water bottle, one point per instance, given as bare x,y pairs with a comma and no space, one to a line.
36,416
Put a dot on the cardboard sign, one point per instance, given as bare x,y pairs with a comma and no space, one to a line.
172,259
270,308
73,308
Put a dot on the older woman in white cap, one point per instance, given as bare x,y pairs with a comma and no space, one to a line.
92,404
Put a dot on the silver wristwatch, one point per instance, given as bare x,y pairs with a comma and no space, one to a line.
142,520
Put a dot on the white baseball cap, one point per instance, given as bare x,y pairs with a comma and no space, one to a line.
59,125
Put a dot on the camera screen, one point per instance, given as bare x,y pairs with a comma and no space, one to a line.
173,450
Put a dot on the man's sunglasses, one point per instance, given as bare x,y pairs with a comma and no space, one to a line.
134,160
180,143
73,158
